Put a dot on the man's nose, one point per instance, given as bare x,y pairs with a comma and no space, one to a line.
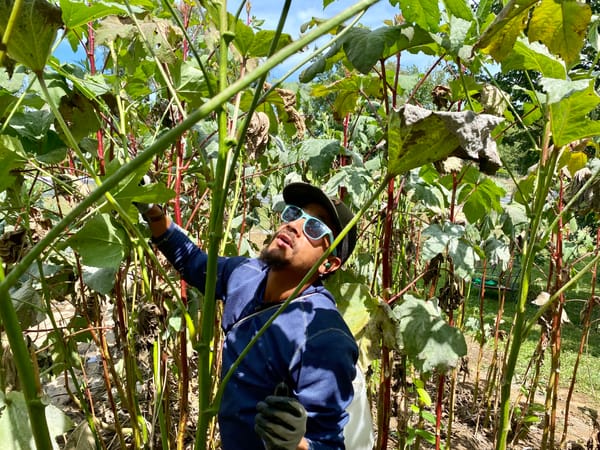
296,226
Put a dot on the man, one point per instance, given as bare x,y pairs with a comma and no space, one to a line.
292,389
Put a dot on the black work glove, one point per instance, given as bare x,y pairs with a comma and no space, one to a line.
281,420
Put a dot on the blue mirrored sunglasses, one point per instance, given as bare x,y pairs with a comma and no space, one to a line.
313,228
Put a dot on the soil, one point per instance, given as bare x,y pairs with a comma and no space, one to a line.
470,428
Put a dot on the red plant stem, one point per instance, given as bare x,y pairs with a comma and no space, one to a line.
90,51
385,387
556,326
438,410
587,323
184,381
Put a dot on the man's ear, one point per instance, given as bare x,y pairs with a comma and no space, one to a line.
332,264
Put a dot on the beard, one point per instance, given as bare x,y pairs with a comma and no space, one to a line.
273,258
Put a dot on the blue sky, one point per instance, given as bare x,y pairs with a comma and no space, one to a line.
301,11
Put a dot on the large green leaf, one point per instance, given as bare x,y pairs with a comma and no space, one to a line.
561,26
533,56
449,240
319,154
100,243
459,8
101,280
255,45
76,13
480,199
33,32
417,136
425,337
354,300
425,13
12,156
15,428
364,48
570,105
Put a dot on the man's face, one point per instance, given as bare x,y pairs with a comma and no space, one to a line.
291,248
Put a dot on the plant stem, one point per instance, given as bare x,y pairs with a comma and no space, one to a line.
29,382
545,175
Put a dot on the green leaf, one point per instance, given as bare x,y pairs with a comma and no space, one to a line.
417,136
365,48
533,56
348,91
594,35
12,156
243,37
438,238
319,154
77,13
15,427
261,45
482,199
570,105
459,8
100,243
561,26
354,302
80,115
101,280
425,13
50,150
190,82
33,32
426,339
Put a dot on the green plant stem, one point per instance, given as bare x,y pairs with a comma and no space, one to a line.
215,228
29,381
545,176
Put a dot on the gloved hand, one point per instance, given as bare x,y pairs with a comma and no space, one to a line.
281,420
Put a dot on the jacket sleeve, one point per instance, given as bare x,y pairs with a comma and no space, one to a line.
190,260
324,386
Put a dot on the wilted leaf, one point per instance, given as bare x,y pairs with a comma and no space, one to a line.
561,26
499,38
418,136
100,243
34,32
15,428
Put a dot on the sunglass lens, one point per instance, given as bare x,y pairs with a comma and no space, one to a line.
291,213
314,229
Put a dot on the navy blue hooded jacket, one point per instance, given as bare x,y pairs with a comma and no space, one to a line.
308,346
